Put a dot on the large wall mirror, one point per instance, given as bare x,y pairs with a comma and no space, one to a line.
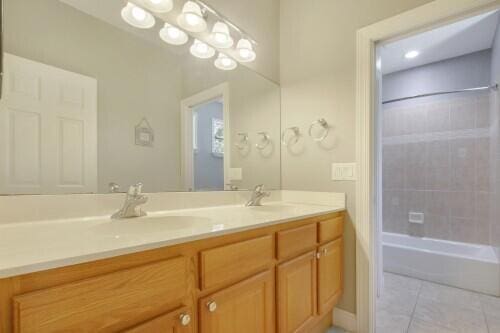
92,104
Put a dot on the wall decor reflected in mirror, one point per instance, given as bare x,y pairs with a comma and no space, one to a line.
99,92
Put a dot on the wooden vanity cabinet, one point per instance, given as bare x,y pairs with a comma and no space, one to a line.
247,307
311,284
281,278
330,265
297,293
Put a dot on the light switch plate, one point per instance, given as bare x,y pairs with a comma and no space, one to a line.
344,171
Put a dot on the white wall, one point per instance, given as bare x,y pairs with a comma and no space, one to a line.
318,73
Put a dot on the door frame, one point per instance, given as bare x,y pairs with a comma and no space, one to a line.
221,92
425,17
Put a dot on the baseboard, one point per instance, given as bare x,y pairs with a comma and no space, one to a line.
345,320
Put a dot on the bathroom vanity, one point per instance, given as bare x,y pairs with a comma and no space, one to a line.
281,275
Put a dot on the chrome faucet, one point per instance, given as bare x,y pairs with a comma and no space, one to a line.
257,195
133,200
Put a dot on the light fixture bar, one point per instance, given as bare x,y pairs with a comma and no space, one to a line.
221,17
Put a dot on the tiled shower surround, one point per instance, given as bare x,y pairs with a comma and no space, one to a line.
439,158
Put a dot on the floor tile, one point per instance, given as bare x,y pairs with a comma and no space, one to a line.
450,295
491,305
493,324
399,295
463,320
420,326
391,323
400,282
397,301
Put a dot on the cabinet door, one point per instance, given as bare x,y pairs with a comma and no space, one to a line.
297,293
246,307
179,321
329,275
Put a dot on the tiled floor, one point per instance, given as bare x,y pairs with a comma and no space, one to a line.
414,306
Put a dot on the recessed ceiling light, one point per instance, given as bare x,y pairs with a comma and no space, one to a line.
412,54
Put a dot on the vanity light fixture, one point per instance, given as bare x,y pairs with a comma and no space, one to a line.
172,35
412,54
201,50
137,17
159,6
225,63
220,36
191,18
244,51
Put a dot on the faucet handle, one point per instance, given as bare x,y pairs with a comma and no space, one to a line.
259,188
114,187
135,190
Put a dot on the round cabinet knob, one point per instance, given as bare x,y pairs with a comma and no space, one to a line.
185,319
318,255
325,251
212,306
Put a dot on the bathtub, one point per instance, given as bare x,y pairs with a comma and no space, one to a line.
467,266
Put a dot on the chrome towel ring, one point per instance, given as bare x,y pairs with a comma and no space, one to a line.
294,139
243,142
264,141
326,129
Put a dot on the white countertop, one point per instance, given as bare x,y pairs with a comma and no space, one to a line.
35,246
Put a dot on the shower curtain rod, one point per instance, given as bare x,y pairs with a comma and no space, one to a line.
494,87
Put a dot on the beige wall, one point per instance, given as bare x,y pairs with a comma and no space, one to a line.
318,72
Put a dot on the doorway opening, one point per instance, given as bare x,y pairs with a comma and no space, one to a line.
208,146
205,153
437,167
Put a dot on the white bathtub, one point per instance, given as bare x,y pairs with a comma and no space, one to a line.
467,266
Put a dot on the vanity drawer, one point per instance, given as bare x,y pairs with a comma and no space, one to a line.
229,263
331,229
108,302
296,241
178,321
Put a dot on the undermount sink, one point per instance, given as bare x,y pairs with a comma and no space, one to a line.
147,224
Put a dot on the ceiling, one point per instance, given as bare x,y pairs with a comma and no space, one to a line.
453,40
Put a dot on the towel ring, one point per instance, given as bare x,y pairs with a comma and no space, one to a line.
296,135
265,141
326,128
243,143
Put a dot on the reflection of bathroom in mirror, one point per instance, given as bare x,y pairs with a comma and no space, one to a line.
92,104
